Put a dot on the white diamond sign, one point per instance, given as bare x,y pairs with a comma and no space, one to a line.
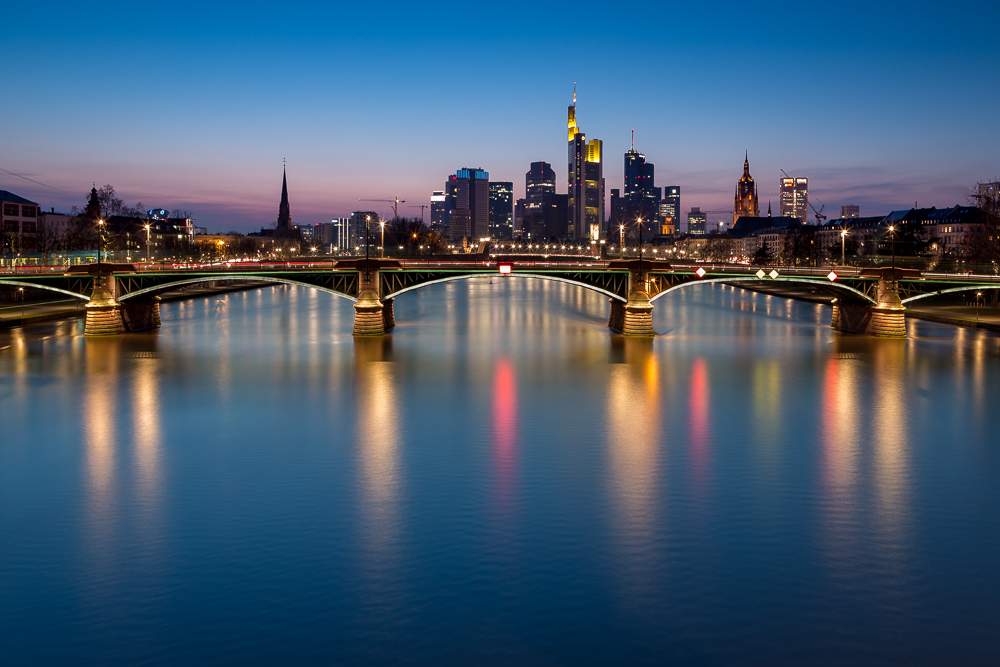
774,273
832,276
700,272
760,273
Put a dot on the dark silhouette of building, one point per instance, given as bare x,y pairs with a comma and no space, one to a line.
284,226
501,209
745,201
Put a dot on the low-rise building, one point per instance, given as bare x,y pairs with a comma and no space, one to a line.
18,222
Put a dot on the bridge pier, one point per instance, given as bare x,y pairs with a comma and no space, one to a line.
635,316
106,316
369,318
886,319
388,315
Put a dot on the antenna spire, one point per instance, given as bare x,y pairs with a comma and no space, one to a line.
633,138
574,93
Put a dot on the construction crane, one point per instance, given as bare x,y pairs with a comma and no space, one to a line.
395,201
421,207
718,225
819,214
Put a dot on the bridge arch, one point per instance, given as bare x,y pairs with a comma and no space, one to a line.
467,276
836,287
963,288
166,287
42,286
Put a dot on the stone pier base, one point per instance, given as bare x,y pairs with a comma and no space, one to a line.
638,320
104,315
368,317
886,320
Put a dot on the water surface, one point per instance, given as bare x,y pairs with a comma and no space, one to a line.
501,480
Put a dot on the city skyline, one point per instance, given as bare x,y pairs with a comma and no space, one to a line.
213,114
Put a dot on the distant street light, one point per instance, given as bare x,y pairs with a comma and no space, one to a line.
843,247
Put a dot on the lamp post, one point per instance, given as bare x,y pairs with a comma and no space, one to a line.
147,243
621,246
368,227
892,235
20,291
382,225
843,247
100,239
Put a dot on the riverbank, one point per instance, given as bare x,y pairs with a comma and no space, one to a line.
16,314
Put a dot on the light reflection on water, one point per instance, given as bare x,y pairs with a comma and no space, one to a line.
500,479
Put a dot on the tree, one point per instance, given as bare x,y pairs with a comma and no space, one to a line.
762,255
982,239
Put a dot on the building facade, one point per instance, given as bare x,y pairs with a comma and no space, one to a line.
745,201
539,181
848,211
439,212
670,209
794,198
586,182
501,215
18,223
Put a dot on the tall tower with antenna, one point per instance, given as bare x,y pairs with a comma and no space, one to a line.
586,181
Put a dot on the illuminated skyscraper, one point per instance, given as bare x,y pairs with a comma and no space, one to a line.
539,181
439,211
794,203
468,194
501,210
586,182
641,194
696,220
745,201
670,209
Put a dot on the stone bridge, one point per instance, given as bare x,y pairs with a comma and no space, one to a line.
122,298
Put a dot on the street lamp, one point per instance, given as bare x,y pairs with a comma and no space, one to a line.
147,242
100,239
20,291
621,230
843,247
892,235
382,225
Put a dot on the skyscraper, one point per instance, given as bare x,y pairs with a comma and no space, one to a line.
794,202
468,193
501,216
439,211
641,194
670,209
586,181
745,201
539,181
696,220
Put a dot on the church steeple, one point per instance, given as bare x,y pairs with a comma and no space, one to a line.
745,201
769,208
284,212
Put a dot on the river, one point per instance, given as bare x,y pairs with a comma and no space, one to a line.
499,481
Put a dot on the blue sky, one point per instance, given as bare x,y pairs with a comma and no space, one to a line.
194,105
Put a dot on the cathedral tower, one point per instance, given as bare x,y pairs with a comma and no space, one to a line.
745,202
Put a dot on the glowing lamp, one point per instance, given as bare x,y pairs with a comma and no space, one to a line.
832,276
700,272
504,267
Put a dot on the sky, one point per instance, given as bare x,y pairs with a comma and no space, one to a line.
195,105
